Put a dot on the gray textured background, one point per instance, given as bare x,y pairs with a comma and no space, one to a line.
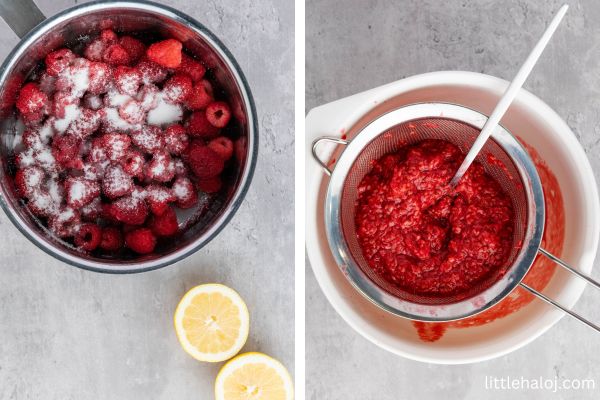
70,334
354,45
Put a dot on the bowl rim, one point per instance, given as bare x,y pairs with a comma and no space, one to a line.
247,172
355,107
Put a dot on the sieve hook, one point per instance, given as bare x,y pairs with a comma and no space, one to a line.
325,139
552,302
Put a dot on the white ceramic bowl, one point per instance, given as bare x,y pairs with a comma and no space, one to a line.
529,118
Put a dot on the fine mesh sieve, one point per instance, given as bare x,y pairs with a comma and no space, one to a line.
502,157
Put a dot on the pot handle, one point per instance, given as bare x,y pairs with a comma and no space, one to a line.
22,15
325,139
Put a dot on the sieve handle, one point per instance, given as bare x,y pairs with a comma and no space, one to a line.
316,144
572,270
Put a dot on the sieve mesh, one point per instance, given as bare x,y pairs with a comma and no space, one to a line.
493,158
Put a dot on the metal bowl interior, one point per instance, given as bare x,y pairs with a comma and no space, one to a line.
149,22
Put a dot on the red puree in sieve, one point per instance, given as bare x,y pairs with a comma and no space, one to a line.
424,237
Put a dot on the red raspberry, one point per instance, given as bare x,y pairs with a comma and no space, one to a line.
88,237
93,210
65,222
112,239
133,164
180,167
166,53
100,77
165,224
192,68
40,203
177,88
31,99
116,145
152,72
115,54
81,191
184,192
128,210
148,97
161,167
62,100
32,119
65,150
158,198
28,180
47,83
127,80
58,61
31,139
205,163
176,140
92,101
134,47
198,125
149,138
75,78
116,182
210,185
95,50
87,123
218,114
108,35
200,96
132,112
141,240
223,146
97,153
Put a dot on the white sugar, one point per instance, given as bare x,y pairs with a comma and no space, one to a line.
164,113
72,112
77,190
114,120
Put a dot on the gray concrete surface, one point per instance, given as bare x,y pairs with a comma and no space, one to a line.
354,45
70,334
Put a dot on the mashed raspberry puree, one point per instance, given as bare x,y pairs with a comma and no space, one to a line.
424,237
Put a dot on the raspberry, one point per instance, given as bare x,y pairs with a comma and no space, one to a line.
177,88
88,237
32,119
152,72
65,222
116,145
127,80
149,138
31,139
166,53
198,125
161,167
158,198
141,240
81,191
61,101
28,180
165,224
47,83
87,123
93,210
108,35
132,112
191,67
112,239
97,153
116,182
115,54
176,140
200,96
65,150
210,185
58,61
180,168
148,97
218,114
128,210
100,77
134,47
31,99
185,192
75,79
95,50
40,203
133,164
205,163
222,146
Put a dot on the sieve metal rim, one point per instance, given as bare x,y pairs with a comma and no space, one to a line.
375,294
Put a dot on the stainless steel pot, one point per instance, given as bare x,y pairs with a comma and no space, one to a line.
39,36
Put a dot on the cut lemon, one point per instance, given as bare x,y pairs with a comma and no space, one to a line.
254,376
212,322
